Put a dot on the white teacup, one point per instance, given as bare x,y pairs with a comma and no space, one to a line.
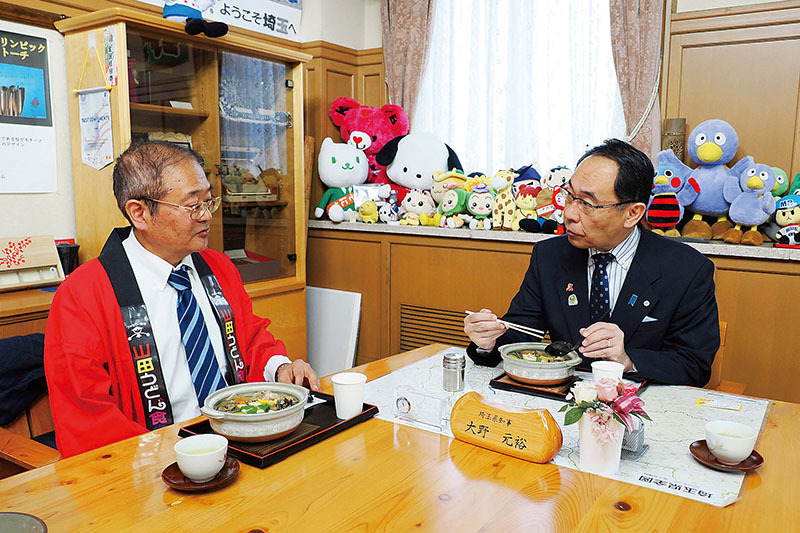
348,393
607,369
201,457
730,442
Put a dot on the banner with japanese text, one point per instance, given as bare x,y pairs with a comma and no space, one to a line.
279,18
27,136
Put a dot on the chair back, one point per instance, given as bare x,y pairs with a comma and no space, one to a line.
716,367
332,325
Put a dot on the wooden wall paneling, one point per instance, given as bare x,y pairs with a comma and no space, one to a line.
743,68
287,313
354,265
754,297
454,276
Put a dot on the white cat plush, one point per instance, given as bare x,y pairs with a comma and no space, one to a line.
341,166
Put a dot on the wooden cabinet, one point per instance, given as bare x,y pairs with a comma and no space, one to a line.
236,101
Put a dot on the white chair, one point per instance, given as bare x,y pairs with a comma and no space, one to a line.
332,325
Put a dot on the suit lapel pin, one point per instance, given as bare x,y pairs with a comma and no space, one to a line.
646,303
632,300
572,300
569,287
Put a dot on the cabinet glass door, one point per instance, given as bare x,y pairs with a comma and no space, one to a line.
254,170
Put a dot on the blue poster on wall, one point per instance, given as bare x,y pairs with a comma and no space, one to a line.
24,91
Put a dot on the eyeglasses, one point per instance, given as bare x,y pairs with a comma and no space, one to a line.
196,211
587,207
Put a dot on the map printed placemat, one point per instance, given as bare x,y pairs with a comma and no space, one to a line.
679,416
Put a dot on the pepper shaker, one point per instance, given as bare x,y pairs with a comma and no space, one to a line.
453,365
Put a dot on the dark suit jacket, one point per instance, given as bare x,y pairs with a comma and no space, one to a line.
667,281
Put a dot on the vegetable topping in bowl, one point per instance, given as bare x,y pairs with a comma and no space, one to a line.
256,403
537,356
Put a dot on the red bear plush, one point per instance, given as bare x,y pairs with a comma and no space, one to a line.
369,129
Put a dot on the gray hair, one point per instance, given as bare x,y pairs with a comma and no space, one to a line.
139,171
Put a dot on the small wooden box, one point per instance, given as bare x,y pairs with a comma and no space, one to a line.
29,262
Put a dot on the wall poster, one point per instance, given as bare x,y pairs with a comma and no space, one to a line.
27,136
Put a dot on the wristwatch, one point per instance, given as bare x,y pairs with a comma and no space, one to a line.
279,369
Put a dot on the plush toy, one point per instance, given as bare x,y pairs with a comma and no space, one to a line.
190,13
453,205
388,213
369,128
781,182
787,216
504,205
794,188
412,159
556,177
444,181
368,212
664,209
525,203
414,204
549,208
480,203
711,145
341,166
748,192
526,175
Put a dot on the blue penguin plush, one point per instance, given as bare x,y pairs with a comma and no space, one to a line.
664,209
712,144
748,190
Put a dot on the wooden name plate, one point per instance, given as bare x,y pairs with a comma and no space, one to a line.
29,262
530,434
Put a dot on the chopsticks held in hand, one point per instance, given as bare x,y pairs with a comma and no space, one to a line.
523,329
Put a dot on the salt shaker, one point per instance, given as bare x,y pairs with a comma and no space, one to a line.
453,365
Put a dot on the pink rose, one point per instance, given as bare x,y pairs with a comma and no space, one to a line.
606,390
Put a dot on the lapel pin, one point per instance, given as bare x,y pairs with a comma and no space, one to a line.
569,287
632,300
572,300
646,303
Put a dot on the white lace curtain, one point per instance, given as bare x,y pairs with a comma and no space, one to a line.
515,82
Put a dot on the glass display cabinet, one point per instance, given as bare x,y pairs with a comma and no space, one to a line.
235,101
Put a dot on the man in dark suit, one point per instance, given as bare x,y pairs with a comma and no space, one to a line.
635,297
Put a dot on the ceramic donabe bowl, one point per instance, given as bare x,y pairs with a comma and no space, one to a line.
537,373
256,427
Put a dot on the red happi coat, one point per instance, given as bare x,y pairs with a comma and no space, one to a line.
90,373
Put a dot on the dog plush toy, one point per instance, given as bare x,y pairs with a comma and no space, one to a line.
412,159
190,13
369,128
748,191
341,166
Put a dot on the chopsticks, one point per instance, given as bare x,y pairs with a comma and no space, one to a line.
523,329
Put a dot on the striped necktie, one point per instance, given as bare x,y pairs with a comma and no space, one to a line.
599,298
206,375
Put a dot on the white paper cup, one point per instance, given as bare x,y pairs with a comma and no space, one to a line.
201,457
607,369
730,442
348,393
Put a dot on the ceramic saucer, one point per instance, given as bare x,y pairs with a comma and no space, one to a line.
700,451
175,479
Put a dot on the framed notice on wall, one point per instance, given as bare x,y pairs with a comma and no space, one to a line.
27,136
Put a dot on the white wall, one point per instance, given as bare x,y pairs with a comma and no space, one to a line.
352,23
692,5
45,213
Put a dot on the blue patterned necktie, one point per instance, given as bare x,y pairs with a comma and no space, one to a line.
599,298
206,375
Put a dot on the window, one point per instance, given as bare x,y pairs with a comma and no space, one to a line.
515,82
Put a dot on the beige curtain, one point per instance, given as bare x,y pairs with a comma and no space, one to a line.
636,45
407,26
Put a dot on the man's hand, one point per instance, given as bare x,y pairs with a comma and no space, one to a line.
483,328
300,373
603,340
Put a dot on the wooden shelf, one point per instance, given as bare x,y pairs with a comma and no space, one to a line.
150,109
257,203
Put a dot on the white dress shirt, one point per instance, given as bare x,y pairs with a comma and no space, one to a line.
617,269
151,273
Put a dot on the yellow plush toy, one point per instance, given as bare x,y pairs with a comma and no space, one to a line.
525,205
368,211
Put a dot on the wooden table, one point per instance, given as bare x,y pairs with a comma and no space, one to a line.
380,476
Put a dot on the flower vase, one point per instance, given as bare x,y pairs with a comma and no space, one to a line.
600,441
